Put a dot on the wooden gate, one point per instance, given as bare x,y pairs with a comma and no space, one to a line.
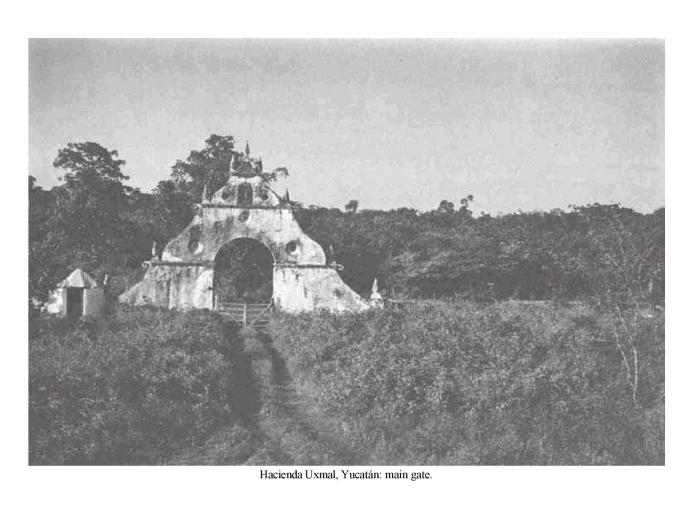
246,314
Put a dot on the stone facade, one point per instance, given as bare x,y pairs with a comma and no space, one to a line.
245,207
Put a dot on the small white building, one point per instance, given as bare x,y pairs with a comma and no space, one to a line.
75,296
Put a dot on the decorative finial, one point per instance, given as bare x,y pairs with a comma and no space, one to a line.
287,198
376,299
232,162
247,149
204,194
154,256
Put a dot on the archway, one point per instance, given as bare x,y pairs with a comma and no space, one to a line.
195,269
243,271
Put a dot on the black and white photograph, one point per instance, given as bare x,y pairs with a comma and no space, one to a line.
346,252
366,254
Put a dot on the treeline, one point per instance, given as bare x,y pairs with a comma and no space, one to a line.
588,251
94,220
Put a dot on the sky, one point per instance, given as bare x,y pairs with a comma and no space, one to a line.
519,124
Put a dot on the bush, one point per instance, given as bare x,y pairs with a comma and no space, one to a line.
129,390
508,383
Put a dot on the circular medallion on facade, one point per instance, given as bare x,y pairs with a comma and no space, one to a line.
195,247
292,247
244,216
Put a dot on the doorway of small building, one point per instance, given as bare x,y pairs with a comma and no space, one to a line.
73,302
243,270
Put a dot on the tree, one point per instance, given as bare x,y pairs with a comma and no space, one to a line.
352,206
172,208
44,251
92,220
446,207
464,205
90,202
207,167
89,162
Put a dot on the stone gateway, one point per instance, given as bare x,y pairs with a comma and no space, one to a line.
245,207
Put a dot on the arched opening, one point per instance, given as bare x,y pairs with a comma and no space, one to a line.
245,195
243,272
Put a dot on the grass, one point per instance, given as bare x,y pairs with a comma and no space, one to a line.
462,383
431,383
132,389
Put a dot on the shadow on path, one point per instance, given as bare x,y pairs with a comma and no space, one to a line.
243,440
271,426
306,429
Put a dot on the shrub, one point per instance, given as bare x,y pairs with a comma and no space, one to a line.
464,383
129,390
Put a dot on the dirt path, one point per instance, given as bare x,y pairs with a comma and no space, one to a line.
276,427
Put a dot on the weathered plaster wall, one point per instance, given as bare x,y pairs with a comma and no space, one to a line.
93,302
214,226
173,287
300,289
302,281
296,289
263,196
56,301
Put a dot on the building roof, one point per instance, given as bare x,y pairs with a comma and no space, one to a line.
78,279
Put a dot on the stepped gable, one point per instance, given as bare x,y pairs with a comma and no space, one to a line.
244,207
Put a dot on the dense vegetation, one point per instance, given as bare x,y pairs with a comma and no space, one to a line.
508,383
437,382
585,252
94,221
132,389
462,376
